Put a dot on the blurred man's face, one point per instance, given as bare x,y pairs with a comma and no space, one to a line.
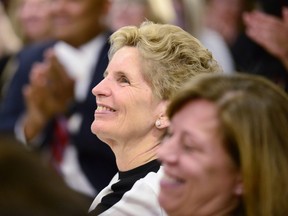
35,19
77,21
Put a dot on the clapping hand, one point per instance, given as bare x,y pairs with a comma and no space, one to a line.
48,94
270,32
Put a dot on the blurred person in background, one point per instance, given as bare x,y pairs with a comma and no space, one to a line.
32,19
220,29
49,105
216,23
10,43
30,187
189,15
270,32
262,49
223,23
134,12
225,17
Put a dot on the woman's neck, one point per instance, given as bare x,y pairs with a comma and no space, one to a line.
129,158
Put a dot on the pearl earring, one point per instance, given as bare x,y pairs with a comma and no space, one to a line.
158,123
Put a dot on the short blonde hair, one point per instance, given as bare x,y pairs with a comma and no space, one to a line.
170,55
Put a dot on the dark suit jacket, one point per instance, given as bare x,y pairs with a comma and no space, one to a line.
96,158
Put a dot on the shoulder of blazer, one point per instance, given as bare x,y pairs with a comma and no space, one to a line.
37,47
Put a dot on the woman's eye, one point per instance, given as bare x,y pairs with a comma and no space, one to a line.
187,144
188,148
124,79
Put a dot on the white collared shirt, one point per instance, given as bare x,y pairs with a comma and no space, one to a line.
80,63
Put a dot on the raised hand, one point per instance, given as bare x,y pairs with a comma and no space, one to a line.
48,94
270,32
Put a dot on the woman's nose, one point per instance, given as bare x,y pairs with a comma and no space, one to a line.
101,88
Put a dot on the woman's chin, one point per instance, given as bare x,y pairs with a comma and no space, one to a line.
95,128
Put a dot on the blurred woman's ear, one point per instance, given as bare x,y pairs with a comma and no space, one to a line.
239,190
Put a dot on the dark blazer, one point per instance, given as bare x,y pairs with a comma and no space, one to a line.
96,158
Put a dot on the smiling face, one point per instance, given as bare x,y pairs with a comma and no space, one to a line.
199,176
126,107
77,21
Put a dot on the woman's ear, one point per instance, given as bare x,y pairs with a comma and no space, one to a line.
162,122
